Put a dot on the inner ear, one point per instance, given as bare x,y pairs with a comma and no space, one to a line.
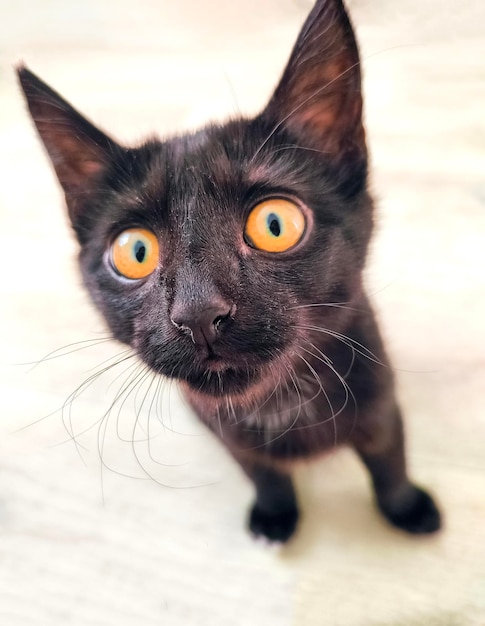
319,96
76,160
78,150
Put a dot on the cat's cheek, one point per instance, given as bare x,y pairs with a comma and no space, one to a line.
119,300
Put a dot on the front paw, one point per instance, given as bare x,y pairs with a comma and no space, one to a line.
275,526
416,513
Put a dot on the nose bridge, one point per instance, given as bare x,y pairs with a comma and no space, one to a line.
193,287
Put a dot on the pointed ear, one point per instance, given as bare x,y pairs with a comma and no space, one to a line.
319,96
79,152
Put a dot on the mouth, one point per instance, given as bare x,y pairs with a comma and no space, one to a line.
211,373
217,379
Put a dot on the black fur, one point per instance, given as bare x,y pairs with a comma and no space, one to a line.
295,365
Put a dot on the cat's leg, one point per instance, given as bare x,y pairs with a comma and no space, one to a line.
405,505
274,514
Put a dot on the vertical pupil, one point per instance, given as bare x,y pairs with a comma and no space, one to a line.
140,251
274,224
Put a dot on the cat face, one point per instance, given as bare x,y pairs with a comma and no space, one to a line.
204,252
196,194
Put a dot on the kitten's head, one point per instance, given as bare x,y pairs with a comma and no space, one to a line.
204,251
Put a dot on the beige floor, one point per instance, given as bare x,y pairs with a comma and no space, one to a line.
81,545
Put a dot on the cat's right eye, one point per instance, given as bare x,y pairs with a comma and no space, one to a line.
134,253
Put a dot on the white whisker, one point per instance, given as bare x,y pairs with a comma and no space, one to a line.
348,341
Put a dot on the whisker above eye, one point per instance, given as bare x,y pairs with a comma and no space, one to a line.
301,105
296,147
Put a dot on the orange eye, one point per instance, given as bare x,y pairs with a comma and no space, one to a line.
134,253
275,225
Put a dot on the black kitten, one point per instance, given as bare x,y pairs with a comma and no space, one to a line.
231,259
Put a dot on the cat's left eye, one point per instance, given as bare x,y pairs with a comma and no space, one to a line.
135,253
275,225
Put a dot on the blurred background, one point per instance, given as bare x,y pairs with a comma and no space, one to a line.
154,533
